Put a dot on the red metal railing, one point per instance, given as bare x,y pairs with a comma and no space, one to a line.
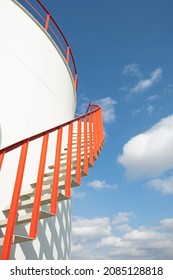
89,132
41,14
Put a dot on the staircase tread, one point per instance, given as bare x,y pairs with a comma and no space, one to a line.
28,203
46,189
17,239
26,218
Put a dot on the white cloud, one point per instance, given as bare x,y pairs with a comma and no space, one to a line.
153,97
107,104
136,112
78,194
139,244
98,184
163,185
167,224
169,89
92,229
122,217
150,109
147,83
108,107
95,239
123,228
150,153
132,69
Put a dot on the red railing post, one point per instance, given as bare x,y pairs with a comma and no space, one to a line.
78,161
102,129
85,145
38,192
69,162
8,239
75,82
67,54
1,159
91,139
53,206
47,22
98,132
95,135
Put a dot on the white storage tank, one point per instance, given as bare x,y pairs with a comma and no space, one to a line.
37,92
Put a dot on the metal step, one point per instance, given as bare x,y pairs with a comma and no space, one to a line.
17,239
73,166
61,179
45,190
64,155
74,147
26,218
46,199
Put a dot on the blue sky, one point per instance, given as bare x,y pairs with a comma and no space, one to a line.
123,51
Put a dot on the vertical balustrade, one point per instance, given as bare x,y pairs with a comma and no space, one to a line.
78,160
91,159
101,128
1,159
53,206
95,134
38,192
85,146
68,55
8,239
98,138
47,22
69,162
75,82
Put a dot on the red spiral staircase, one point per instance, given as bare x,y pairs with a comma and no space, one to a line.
85,140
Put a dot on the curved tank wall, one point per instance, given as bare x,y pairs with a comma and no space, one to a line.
36,89
36,93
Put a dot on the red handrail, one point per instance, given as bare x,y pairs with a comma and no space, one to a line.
60,42
39,135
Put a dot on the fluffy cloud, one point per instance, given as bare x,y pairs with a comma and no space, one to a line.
150,109
163,185
132,69
150,153
167,224
97,239
139,244
123,228
98,184
142,84
122,217
108,107
78,194
91,229
147,83
107,104
153,97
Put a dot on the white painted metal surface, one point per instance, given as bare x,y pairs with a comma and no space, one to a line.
36,93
